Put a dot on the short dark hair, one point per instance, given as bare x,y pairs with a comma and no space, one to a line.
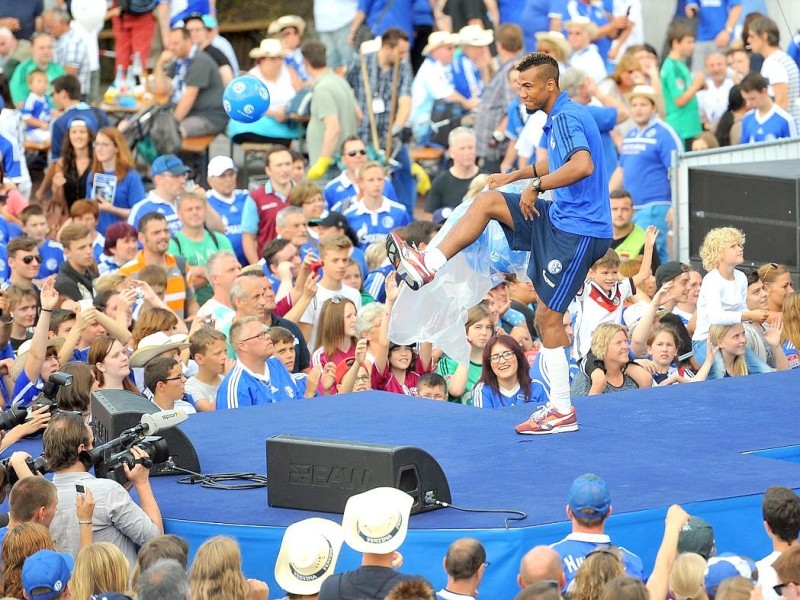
392,36
347,140
60,316
315,53
781,511
65,432
274,150
620,193
24,244
420,232
272,249
32,210
69,84
151,216
116,232
464,557
183,30
510,37
677,32
29,495
280,334
753,82
431,379
540,59
158,370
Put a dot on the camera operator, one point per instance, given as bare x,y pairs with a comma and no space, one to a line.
38,421
117,518
34,366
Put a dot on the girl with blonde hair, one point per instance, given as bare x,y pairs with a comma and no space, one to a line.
687,579
600,566
723,297
217,572
101,567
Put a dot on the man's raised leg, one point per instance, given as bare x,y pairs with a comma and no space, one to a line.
418,268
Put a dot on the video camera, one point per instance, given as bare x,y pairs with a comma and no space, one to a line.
8,476
109,459
47,397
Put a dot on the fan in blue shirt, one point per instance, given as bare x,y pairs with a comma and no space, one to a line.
588,507
257,378
129,191
34,223
712,17
766,121
374,215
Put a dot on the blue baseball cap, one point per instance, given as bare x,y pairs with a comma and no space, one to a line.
45,574
589,497
168,163
724,567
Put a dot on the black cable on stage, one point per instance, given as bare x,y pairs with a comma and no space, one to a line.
520,514
214,480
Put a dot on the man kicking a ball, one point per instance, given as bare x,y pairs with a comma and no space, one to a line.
565,237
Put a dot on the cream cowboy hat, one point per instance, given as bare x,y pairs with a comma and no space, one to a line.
308,555
376,522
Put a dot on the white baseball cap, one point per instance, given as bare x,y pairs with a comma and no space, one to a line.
219,164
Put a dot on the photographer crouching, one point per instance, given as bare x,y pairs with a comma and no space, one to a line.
117,518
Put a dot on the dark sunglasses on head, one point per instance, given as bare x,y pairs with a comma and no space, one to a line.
362,152
30,258
779,588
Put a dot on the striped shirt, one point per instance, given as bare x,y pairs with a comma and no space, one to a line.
176,292
779,67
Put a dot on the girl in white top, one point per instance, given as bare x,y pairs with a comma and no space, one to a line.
723,296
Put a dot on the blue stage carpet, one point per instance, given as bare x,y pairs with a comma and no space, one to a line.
684,444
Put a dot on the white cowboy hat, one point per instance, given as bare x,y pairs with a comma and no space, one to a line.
156,344
285,22
584,22
308,555
557,39
438,39
475,35
268,47
376,522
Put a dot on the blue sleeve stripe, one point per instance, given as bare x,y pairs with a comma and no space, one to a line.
564,141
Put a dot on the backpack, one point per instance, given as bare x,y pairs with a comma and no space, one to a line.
154,131
299,108
137,7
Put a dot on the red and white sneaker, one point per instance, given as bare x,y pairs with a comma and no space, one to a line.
408,262
547,419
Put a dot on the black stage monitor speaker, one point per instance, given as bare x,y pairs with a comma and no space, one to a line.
114,411
320,475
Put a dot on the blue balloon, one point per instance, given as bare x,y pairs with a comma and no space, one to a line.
245,99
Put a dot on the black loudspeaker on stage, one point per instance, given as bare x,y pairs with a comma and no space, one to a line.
320,475
114,411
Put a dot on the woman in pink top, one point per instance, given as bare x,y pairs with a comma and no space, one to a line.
397,368
336,334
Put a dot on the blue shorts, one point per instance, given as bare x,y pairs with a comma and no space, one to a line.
559,260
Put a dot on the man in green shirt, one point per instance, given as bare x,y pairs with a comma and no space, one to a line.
42,59
680,87
196,243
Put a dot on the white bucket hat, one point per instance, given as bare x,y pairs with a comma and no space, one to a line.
376,522
156,344
438,39
308,555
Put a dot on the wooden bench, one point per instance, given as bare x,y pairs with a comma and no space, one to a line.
197,145
426,154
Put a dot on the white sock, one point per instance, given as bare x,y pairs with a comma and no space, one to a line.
556,366
434,259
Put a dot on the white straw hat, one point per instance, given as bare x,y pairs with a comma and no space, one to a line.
376,522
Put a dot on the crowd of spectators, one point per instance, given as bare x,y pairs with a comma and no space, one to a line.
129,276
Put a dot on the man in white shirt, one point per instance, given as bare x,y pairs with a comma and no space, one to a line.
781,510
585,56
714,98
433,83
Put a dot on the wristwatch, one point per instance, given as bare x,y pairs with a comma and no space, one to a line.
536,183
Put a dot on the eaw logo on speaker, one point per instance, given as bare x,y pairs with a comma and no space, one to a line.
342,478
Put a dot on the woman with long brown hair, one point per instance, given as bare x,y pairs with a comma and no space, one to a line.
113,159
217,572
66,178
109,361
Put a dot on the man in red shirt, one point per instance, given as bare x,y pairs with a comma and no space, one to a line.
261,209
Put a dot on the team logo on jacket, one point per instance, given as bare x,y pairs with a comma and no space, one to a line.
289,391
387,222
51,264
554,267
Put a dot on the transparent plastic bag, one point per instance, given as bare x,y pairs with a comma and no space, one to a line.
437,312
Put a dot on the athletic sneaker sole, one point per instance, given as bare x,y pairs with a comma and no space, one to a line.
558,429
395,255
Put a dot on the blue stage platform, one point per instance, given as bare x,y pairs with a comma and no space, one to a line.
712,447
691,444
